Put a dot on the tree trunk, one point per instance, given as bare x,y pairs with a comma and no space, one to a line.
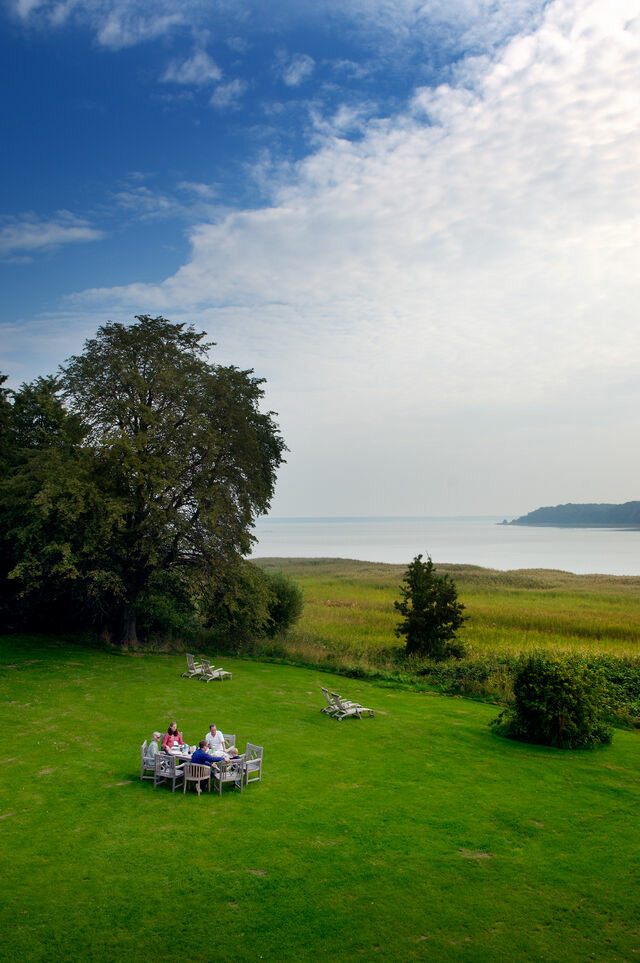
129,636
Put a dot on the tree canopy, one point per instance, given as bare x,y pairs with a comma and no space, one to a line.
431,612
141,468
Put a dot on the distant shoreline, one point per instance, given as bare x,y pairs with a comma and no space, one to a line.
614,526
590,515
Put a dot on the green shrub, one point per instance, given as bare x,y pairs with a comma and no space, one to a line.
557,702
285,607
250,604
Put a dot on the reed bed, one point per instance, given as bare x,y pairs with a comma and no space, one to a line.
349,604
349,620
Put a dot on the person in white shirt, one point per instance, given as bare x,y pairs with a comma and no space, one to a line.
215,740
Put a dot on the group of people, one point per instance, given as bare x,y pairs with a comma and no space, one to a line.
213,741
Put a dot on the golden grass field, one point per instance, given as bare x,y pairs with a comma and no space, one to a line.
349,607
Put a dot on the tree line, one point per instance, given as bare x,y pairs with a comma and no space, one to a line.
130,482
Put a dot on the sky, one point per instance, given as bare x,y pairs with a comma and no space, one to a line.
419,221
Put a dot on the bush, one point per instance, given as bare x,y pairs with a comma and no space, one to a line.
285,607
248,605
557,702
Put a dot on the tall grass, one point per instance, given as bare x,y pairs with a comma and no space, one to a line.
349,605
349,620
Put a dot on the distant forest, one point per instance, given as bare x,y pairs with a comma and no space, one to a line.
612,516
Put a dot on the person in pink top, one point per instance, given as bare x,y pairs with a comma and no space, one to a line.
172,738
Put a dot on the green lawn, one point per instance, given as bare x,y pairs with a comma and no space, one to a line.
415,835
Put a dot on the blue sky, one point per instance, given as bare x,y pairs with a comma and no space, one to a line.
419,221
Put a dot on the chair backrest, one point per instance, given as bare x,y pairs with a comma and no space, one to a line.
253,753
231,771
206,665
190,661
165,763
143,750
229,740
195,771
325,692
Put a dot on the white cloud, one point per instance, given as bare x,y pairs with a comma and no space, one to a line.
28,234
198,70
462,278
116,23
190,201
228,95
474,255
147,203
204,191
295,70
462,24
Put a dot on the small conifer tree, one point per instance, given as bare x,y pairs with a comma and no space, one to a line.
430,610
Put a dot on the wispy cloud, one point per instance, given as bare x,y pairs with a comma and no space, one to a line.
466,249
198,70
463,24
188,200
116,23
467,266
295,69
146,203
227,95
30,234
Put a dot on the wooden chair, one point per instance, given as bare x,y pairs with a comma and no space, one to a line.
209,673
197,775
167,770
330,707
253,763
346,708
193,667
232,771
229,740
147,764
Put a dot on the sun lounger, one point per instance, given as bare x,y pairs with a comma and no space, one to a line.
193,667
346,708
209,673
330,707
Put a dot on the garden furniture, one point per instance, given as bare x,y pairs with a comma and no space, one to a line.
167,770
232,771
346,708
147,765
197,775
193,667
253,763
209,673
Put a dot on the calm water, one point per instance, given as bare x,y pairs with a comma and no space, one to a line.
476,540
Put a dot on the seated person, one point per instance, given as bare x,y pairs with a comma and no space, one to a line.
154,747
172,737
215,739
202,758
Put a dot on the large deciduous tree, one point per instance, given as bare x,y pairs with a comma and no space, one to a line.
431,612
171,463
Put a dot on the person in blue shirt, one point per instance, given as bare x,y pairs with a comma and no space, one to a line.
202,758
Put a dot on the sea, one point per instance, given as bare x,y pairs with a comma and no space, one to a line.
469,539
